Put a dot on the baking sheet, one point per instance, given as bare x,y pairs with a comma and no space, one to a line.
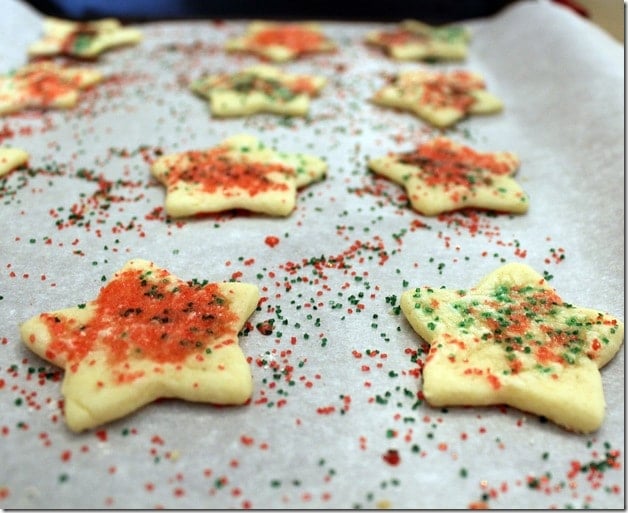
334,420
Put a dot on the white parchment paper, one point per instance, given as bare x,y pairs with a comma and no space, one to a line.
335,421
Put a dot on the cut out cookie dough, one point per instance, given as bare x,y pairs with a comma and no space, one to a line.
12,158
413,40
281,42
512,340
258,89
441,176
240,173
439,98
44,85
147,335
85,40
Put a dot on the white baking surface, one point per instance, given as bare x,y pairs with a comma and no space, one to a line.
320,441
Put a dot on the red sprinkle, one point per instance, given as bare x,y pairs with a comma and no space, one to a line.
271,241
392,457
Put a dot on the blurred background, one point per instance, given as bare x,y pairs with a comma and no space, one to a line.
609,14
435,11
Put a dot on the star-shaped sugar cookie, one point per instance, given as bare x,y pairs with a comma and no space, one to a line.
12,158
240,173
44,85
281,42
512,340
258,89
417,41
438,97
85,40
147,335
441,175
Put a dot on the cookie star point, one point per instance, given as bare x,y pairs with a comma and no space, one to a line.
12,158
147,335
512,340
441,175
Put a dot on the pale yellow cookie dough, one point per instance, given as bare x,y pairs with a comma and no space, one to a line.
281,42
239,173
12,158
259,89
512,340
86,40
440,98
147,335
44,85
414,40
441,175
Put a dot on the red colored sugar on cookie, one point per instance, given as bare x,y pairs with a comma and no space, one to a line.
441,175
281,41
147,335
512,340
